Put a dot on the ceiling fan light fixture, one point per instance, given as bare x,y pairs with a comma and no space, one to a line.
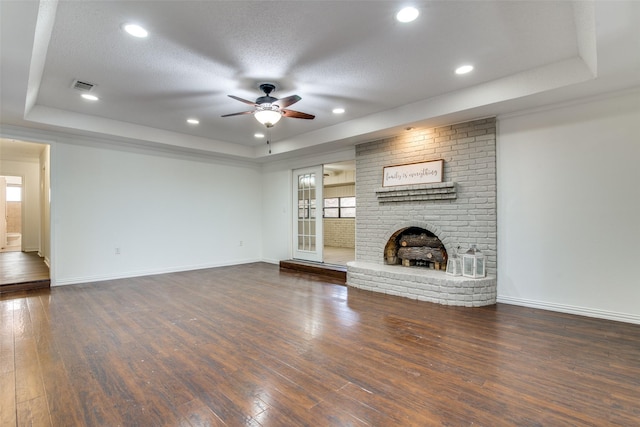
268,116
269,110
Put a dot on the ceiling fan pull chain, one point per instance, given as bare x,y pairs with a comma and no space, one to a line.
269,139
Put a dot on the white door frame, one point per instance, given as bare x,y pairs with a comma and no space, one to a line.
307,231
3,212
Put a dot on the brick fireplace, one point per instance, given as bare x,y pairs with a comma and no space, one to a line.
459,211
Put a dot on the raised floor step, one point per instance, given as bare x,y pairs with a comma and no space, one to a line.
329,271
24,286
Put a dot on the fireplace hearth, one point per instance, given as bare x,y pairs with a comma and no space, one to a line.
422,284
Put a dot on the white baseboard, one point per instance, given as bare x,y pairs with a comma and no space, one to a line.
126,275
45,259
570,309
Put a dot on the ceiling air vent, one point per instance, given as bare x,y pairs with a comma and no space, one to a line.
82,86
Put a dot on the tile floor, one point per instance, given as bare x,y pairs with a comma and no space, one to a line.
338,256
15,246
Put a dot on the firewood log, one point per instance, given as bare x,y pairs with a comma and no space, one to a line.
423,252
409,240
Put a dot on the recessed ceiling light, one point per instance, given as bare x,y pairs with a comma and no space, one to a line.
135,30
407,14
258,135
338,110
193,121
89,97
464,69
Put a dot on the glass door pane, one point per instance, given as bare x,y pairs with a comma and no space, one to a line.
307,231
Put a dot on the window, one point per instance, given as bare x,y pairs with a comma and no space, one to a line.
347,207
339,207
14,194
332,207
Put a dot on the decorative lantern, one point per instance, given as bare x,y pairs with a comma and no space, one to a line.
454,266
473,263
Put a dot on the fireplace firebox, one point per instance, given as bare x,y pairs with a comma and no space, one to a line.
415,246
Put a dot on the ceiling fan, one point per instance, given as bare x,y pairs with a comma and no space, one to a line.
270,110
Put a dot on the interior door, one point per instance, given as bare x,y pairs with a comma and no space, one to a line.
3,212
307,214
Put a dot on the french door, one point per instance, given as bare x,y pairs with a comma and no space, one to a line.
3,212
307,214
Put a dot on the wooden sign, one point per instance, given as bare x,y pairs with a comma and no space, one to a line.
414,173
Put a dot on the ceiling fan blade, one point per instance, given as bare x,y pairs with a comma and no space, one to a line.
238,114
297,114
289,100
242,100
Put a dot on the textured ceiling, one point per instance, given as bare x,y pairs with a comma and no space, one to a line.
351,54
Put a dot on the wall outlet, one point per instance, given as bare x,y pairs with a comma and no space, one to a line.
241,243
117,251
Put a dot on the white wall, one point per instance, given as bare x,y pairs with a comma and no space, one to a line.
276,215
164,213
569,208
29,170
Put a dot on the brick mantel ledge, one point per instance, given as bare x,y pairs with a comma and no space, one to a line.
417,192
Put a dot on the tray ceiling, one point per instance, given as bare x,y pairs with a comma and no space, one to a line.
350,54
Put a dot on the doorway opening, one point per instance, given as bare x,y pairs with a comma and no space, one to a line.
324,213
24,215
11,208
339,212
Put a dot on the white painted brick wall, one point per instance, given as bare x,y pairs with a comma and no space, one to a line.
469,154
468,150
340,232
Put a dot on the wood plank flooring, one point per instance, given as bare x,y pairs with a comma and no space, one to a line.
252,345
21,271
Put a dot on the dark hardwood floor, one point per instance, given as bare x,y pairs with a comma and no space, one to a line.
255,346
21,271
